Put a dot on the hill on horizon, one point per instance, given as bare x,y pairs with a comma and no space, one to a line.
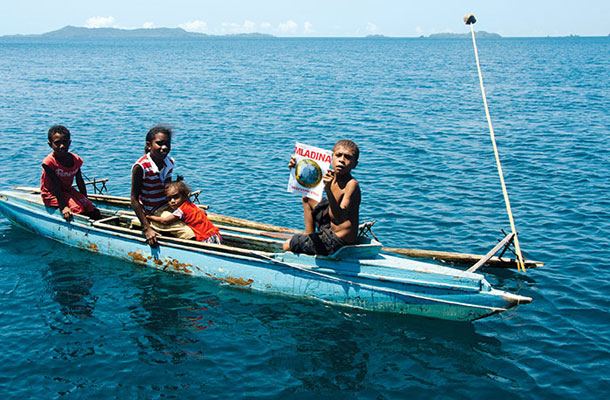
79,32
69,31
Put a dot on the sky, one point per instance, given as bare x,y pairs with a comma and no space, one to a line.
314,18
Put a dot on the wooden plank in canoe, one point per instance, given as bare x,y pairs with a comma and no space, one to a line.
283,233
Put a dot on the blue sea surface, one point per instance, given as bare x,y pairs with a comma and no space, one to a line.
80,325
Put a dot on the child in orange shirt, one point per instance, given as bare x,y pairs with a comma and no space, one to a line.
59,169
177,194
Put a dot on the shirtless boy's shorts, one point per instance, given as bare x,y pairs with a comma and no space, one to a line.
323,242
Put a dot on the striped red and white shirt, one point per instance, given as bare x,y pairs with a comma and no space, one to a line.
154,180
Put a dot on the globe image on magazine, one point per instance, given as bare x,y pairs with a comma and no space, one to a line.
308,173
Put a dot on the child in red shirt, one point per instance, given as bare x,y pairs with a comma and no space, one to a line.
177,194
59,169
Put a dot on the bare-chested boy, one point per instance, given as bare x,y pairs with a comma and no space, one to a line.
337,217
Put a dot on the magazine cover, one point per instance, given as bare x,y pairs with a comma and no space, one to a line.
311,165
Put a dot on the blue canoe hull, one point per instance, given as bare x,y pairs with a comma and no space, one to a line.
359,277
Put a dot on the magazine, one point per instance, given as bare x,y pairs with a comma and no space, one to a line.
311,165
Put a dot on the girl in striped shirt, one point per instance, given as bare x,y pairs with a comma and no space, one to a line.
149,175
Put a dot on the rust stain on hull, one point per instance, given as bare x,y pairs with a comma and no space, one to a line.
93,247
235,281
232,281
137,257
238,281
179,267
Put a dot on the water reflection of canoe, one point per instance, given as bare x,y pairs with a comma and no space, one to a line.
359,276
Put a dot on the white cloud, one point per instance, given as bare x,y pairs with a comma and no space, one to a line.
230,27
99,22
249,26
288,27
265,26
308,27
419,30
148,25
371,27
233,27
194,26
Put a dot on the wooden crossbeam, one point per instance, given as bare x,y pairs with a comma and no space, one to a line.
503,243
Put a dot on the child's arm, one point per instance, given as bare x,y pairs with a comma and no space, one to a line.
167,219
56,191
136,190
80,183
343,211
344,214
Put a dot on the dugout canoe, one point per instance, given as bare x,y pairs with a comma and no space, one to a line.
359,276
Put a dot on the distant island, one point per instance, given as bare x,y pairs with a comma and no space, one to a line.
73,32
79,32
479,35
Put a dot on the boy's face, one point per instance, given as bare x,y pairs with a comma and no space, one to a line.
344,160
160,146
174,197
60,143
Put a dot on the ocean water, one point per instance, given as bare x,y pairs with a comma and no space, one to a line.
80,325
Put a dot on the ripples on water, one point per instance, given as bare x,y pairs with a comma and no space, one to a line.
87,325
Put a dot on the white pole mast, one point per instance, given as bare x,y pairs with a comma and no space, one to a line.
469,19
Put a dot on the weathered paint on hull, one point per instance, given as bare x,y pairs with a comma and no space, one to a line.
461,304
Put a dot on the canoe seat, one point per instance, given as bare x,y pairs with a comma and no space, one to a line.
366,248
